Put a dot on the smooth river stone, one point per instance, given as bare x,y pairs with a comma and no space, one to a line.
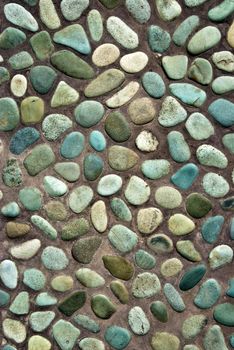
168,11
141,110
16,229
124,95
139,9
19,16
201,71
168,197
214,339
21,60
159,311
122,158
120,291
146,285
178,147
159,39
212,228
134,62
137,191
104,83
68,170
199,127
224,60
165,340
148,219
23,139
138,321
14,330
160,243
188,93
102,306
173,297
64,95
87,323
230,290
185,29
146,141
9,114
48,14
185,176
84,249
230,35
120,209
73,145
34,279
95,25
54,187
197,205
93,166
220,12
144,260
54,125
42,78
153,84
117,337
208,294
42,45
20,304
180,225
109,184
89,278
9,274
105,54
122,33
122,238
211,156
11,38
192,277
155,168
224,314
19,85
91,343
26,250
203,40
193,325
11,210
80,198
222,111
89,113
32,110
175,66
118,266
97,140
223,84
45,299
171,112
220,256
73,9
62,283
228,142
41,320
65,334
99,216
171,267
54,258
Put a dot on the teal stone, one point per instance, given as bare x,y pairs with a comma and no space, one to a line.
73,145
20,305
153,84
185,176
159,311
139,9
75,37
34,279
220,12
230,290
122,238
11,37
175,66
120,209
214,339
117,127
159,39
155,168
43,225
231,340
54,258
178,147
95,24
23,139
93,166
223,84
173,297
188,93
224,314
89,113
4,298
232,228
228,203
144,260
21,60
97,140
73,9
117,337
9,114
42,78
44,299
203,40
228,142
31,2
4,75
18,15
192,276
212,228
199,127
41,320
87,323
222,111
208,294
9,274
11,173
8,347
31,198
11,210
54,187
185,29
42,45
65,334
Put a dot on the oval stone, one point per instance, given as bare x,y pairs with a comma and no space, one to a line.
201,71
89,113
188,93
42,78
210,156
223,84
159,311
117,337
171,267
204,40
117,127
148,220
122,158
95,24
224,314
80,198
197,205
137,191
212,228
93,166
224,60
141,110
73,145
199,127
134,62
180,225
120,209
19,16
144,260
171,112
222,111
168,197
208,294
155,168
220,256
118,266
185,176
122,238
97,140
185,29
89,278
153,84
109,184
54,187
122,33
54,258
139,9
138,321
102,306
178,147
23,139
173,297
19,85
105,54
145,285
9,274
9,114
160,243
192,276
159,39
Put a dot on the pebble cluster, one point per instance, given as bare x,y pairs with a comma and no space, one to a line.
117,145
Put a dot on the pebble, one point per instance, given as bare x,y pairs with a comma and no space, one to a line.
220,256
214,339
21,60
102,306
201,71
171,112
140,10
9,274
62,283
56,211
84,249
11,210
138,321
168,197
155,168
18,15
148,220
72,10
193,325
118,266
120,209
220,12
159,39
93,166
210,156
208,294
89,278
109,184
4,298
48,14
120,291
122,158
188,250
146,141
20,304
185,176
54,187
159,311
175,66
18,85
188,93
180,225
11,173
212,228
89,113
168,11
74,228
64,95
141,111
228,142
224,60
72,303
31,198
203,40
199,127
178,147
87,323
14,330
173,297
144,260
192,277
105,54
134,62
68,170
232,228
97,140
80,198
122,238
222,111
41,320
42,45
165,340
11,37
104,83
171,267
75,37
72,145
160,243
45,299
145,285
95,25
23,139
54,125
230,35
227,203
224,314
153,84
37,341
72,65
32,110
137,191
230,290
223,84
42,78
54,258
34,279
26,250
99,216
65,334
197,205
122,33
123,96
185,29
117,337
91,343
9,114
4,75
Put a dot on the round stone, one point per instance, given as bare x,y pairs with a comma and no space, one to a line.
19,85
31,198
193,325
220,256
185,176
122,238
9,274
175,66
224,60
208,294
224,314
80,198
118,266
168,197
122,158
146,141
19,16
145,285
9,114
14,330
138,321
62,283
117,127
173,297
54,258
97,140
199,127
73,145
139,9
159,39
54,187
178,147
148,220
171,267
222,111
42,78
38,342
105,54
89,113
141,110
22,139
117,337
34,279
180,225
134,62
228,142
197,205
168,11
211,156
153,84
109,184
32,110
160,243
56,211
215,185
91,343
137,191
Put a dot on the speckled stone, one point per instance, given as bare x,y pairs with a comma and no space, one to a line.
117,337
155,168
54,258
87,323
73,9
187,249
34,279
41,320
138,321
153,84
20,305
193,325
62,283
80,198
165,340
159,39
145,285
185,29
199,127
14,330
122,158
54,125
171,267
84,249
117,127
168,197
18,15
211,156
122,33
75,228
137,191
11,37
214,339
197,205
65,334
122,238
48,14
141,110
95,24
171,112
148,220
120,209
178,147
208,294
140,10
102,306
39,159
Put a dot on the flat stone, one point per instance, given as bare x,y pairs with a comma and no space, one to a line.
188,250
11,37
87,323
228,142
45,299
26,250
80,198
171,112
41,320
159,39
137,191
56,211
208,294
118,266
212,228
203,40
105,54
37,341
19,85
173,297
155,168
34,279
102,306
95,25
89,278
54,125
97,140
145,285
64,95
222,111
48,14
122,33
140,10
224,314
223,84
62,283
54,187
40,158
165,340
4,298
23,139
42,45
124,95
16,229
72,10
171,267
122,238
134,62
138,321
224,60
117,337
120,291
197,205
168,11
89,113
72,303
214,339
185,29
85,248
21,60
11,173
11,210
14,330
193,325
65,334
31,198
168,197
178,147
99,216
32,110
122,158
210,156
199,127
160,243
73,145
9,114
188,93
18,15
141,110
74,228
91,343
185,176
192,276
54,258
220,256
175,66
109,184
42,78
120,209
220,12
180,225
201,71
20,304
9,274
148,220
153,84
146,141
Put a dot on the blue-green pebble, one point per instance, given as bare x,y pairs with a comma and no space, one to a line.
185,176
173,297
212,228
159,39
97,140
73,145
153,84
89,113
208,294
178,147
188,93
185,29
192,276
34,279
117,337
4,298
11,210
93,166
222,111
155,168
230,290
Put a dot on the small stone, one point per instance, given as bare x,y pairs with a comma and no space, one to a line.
48,14
38,342
227,204
72,10
26,250
97,140
21,60
9,114
159,311
65,334
193,325
14,330
72,303
222,111
185,176
31,198
221,11
180,225
68,170
164,340
19,16
64,95
95,25
122,238
210,156
201,71
153,84
145,285
48,230
118,266
40,158
134,62
120,209
99,216
102,306
19,85
224,314
109,184
168,197
124,95
122,33
41,320
208,294
34,279
11,37
160,243
175,66
146,141
54,187
148,220
91,343
85,248
224,60
141,111
4,75
155,168
220,256
214,339
197,205
171,267
185,29
188,250
89,113
188,93
203,40
54,258
11,210
230,35
42,78
171,112
12,174
228,142
87,323
62,283
45,299
212,228
56,211
74,228
80,198
223,84
178,147
117,337
122,158
89,278
32,110
4,298
23,139
199,127
54,125
120,291
73,145
105,54
159,39
117,127
192,276
173,297
137,191
140,10
9,274
138,321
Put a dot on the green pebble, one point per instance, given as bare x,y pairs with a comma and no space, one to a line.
34,279
220,12
122,238
68,170
211,228
18,15
87,323
173,297
228,142
73,9
160,243
11,37
199,127
145,285
120,209
31,198
223,84
41,320
117,127
188,93
197,205
42,45
230,290
20,305
65,334
73,145
91,343
54,187
224,314
208,294
95,25
144,260
175,66
39,159
139,9
122,158
84,249
120,291
93,166
204,39
9,114
80,198
11,173
42,78
224,60
54,258
153,84
43,225
56,211
159,39
220,256
89,278
102,306
89,113
21,60
117,337
4,75
214,339
185,29
11,210
118,266
159,311
72,303
201,71
193,325
75,228
156,168
122,33
32,110
45,299
188,250
4,298
64,95
178,147
192,276
164,341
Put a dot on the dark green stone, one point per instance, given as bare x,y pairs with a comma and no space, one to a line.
4,75
11,173
224,314
117,127
93,167
198,205
4,298
84,249
192,276
11,38
110,4
102,306
42,78
118,266
159,310
42,45
72,303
